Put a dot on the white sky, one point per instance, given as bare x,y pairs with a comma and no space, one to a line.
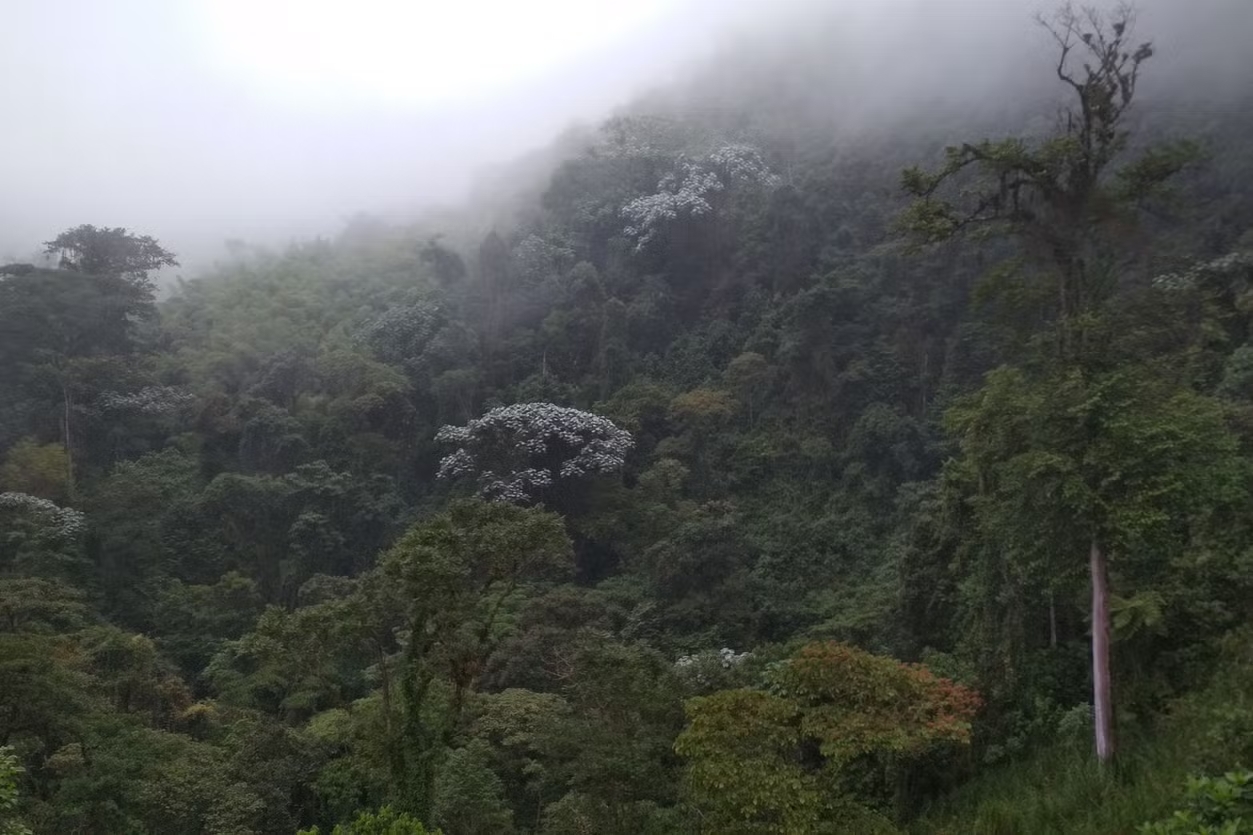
201,120
408,52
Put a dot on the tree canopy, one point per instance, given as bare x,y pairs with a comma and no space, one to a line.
755,471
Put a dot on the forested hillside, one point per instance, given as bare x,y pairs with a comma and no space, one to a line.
756,472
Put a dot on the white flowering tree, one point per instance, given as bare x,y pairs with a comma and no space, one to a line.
38,537
690,190
710,669
401,334
538,259
154,401
517,452
52,520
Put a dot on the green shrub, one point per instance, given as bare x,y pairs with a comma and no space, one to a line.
1213,806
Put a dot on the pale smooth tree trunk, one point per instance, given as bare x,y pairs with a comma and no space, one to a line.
68,408
1052,620
1103,708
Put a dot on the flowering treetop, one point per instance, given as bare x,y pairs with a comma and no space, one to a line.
689,191
515,452
58,522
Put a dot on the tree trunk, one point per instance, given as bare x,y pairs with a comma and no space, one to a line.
385,686
68,405
1103,708
1052,620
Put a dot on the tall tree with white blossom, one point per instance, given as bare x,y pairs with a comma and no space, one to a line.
691,190
515,453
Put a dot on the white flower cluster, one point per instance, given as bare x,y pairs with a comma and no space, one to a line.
698,667
675,198
1225,266
516,451
726,656
637,138
515,488
688,192
61,522
744,164
537,259
401,333
151,400
628,148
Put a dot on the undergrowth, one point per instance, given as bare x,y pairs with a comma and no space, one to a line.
1062,789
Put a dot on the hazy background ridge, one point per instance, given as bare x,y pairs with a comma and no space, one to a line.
142,114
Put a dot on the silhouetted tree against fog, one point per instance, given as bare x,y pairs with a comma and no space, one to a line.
445,264
109,252
72,328
494,273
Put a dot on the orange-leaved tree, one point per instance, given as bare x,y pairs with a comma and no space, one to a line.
774,760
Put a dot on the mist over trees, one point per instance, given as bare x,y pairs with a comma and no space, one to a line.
836,438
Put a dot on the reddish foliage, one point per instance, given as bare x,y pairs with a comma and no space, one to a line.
855,702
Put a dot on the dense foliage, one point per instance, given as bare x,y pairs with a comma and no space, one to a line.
729,487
